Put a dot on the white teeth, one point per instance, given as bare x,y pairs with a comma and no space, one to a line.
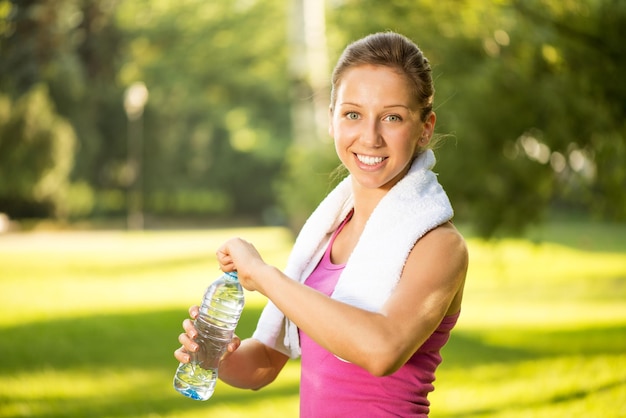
365,159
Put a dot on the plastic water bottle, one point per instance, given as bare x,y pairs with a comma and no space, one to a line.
219,313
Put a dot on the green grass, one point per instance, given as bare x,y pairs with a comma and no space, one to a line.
89,321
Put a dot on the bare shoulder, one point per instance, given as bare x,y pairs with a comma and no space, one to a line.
435,272
447,237
445,247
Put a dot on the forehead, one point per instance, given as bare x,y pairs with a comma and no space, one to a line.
374,82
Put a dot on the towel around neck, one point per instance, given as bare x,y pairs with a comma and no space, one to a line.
414,206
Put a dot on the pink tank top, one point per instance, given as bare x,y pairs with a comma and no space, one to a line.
330,387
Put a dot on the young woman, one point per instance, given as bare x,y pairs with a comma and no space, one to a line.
374,283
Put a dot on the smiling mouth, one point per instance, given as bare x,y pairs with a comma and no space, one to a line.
368,160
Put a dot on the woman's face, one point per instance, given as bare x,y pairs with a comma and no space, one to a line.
376,125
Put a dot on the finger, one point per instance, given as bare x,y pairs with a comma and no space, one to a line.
222,256
182,356
227,265
225,260
189,328
188,344
234,344
194,311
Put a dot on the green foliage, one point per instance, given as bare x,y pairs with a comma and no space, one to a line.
218,115
68,47
543,125
310,174
530,93
189,201
80,200
36,155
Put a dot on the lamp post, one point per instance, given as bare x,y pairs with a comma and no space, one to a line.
135,99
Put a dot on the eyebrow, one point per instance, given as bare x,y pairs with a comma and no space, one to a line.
397,105
384,107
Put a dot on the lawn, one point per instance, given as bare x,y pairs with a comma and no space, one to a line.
89,321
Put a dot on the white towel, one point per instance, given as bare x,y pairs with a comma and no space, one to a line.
414,206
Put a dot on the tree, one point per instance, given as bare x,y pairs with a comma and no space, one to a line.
547,128
36,156
217,124
305,177
529,96
65,51
585,62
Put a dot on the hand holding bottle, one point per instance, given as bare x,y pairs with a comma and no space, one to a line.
182,354
240,255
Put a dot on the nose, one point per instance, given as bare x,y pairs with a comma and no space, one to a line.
371,134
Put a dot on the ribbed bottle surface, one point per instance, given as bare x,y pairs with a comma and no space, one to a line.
219,314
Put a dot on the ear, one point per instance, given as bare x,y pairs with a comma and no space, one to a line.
331,130
429,128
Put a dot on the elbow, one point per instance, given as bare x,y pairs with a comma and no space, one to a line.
383,356
257,387
385,369
259,382
253,384
380,365
381,369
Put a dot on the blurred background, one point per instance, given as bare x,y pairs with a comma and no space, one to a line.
136,136
145,114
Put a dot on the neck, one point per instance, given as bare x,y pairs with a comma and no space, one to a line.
365,201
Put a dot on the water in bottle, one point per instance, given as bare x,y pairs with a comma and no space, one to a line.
219,313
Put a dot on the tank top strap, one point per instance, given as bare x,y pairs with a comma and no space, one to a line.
343,223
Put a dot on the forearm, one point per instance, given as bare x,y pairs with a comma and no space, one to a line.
251,366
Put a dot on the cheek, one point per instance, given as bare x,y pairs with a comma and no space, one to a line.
411,143
335,128
339,140
416,148
340,151
340,132
342,141
405,137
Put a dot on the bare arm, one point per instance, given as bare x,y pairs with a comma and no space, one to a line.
252,366
430,287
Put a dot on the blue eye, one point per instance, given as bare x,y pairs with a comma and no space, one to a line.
394,118
352,115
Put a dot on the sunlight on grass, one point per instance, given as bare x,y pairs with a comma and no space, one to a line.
89,320
38,390
106,392
113,272
557,386
518,282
